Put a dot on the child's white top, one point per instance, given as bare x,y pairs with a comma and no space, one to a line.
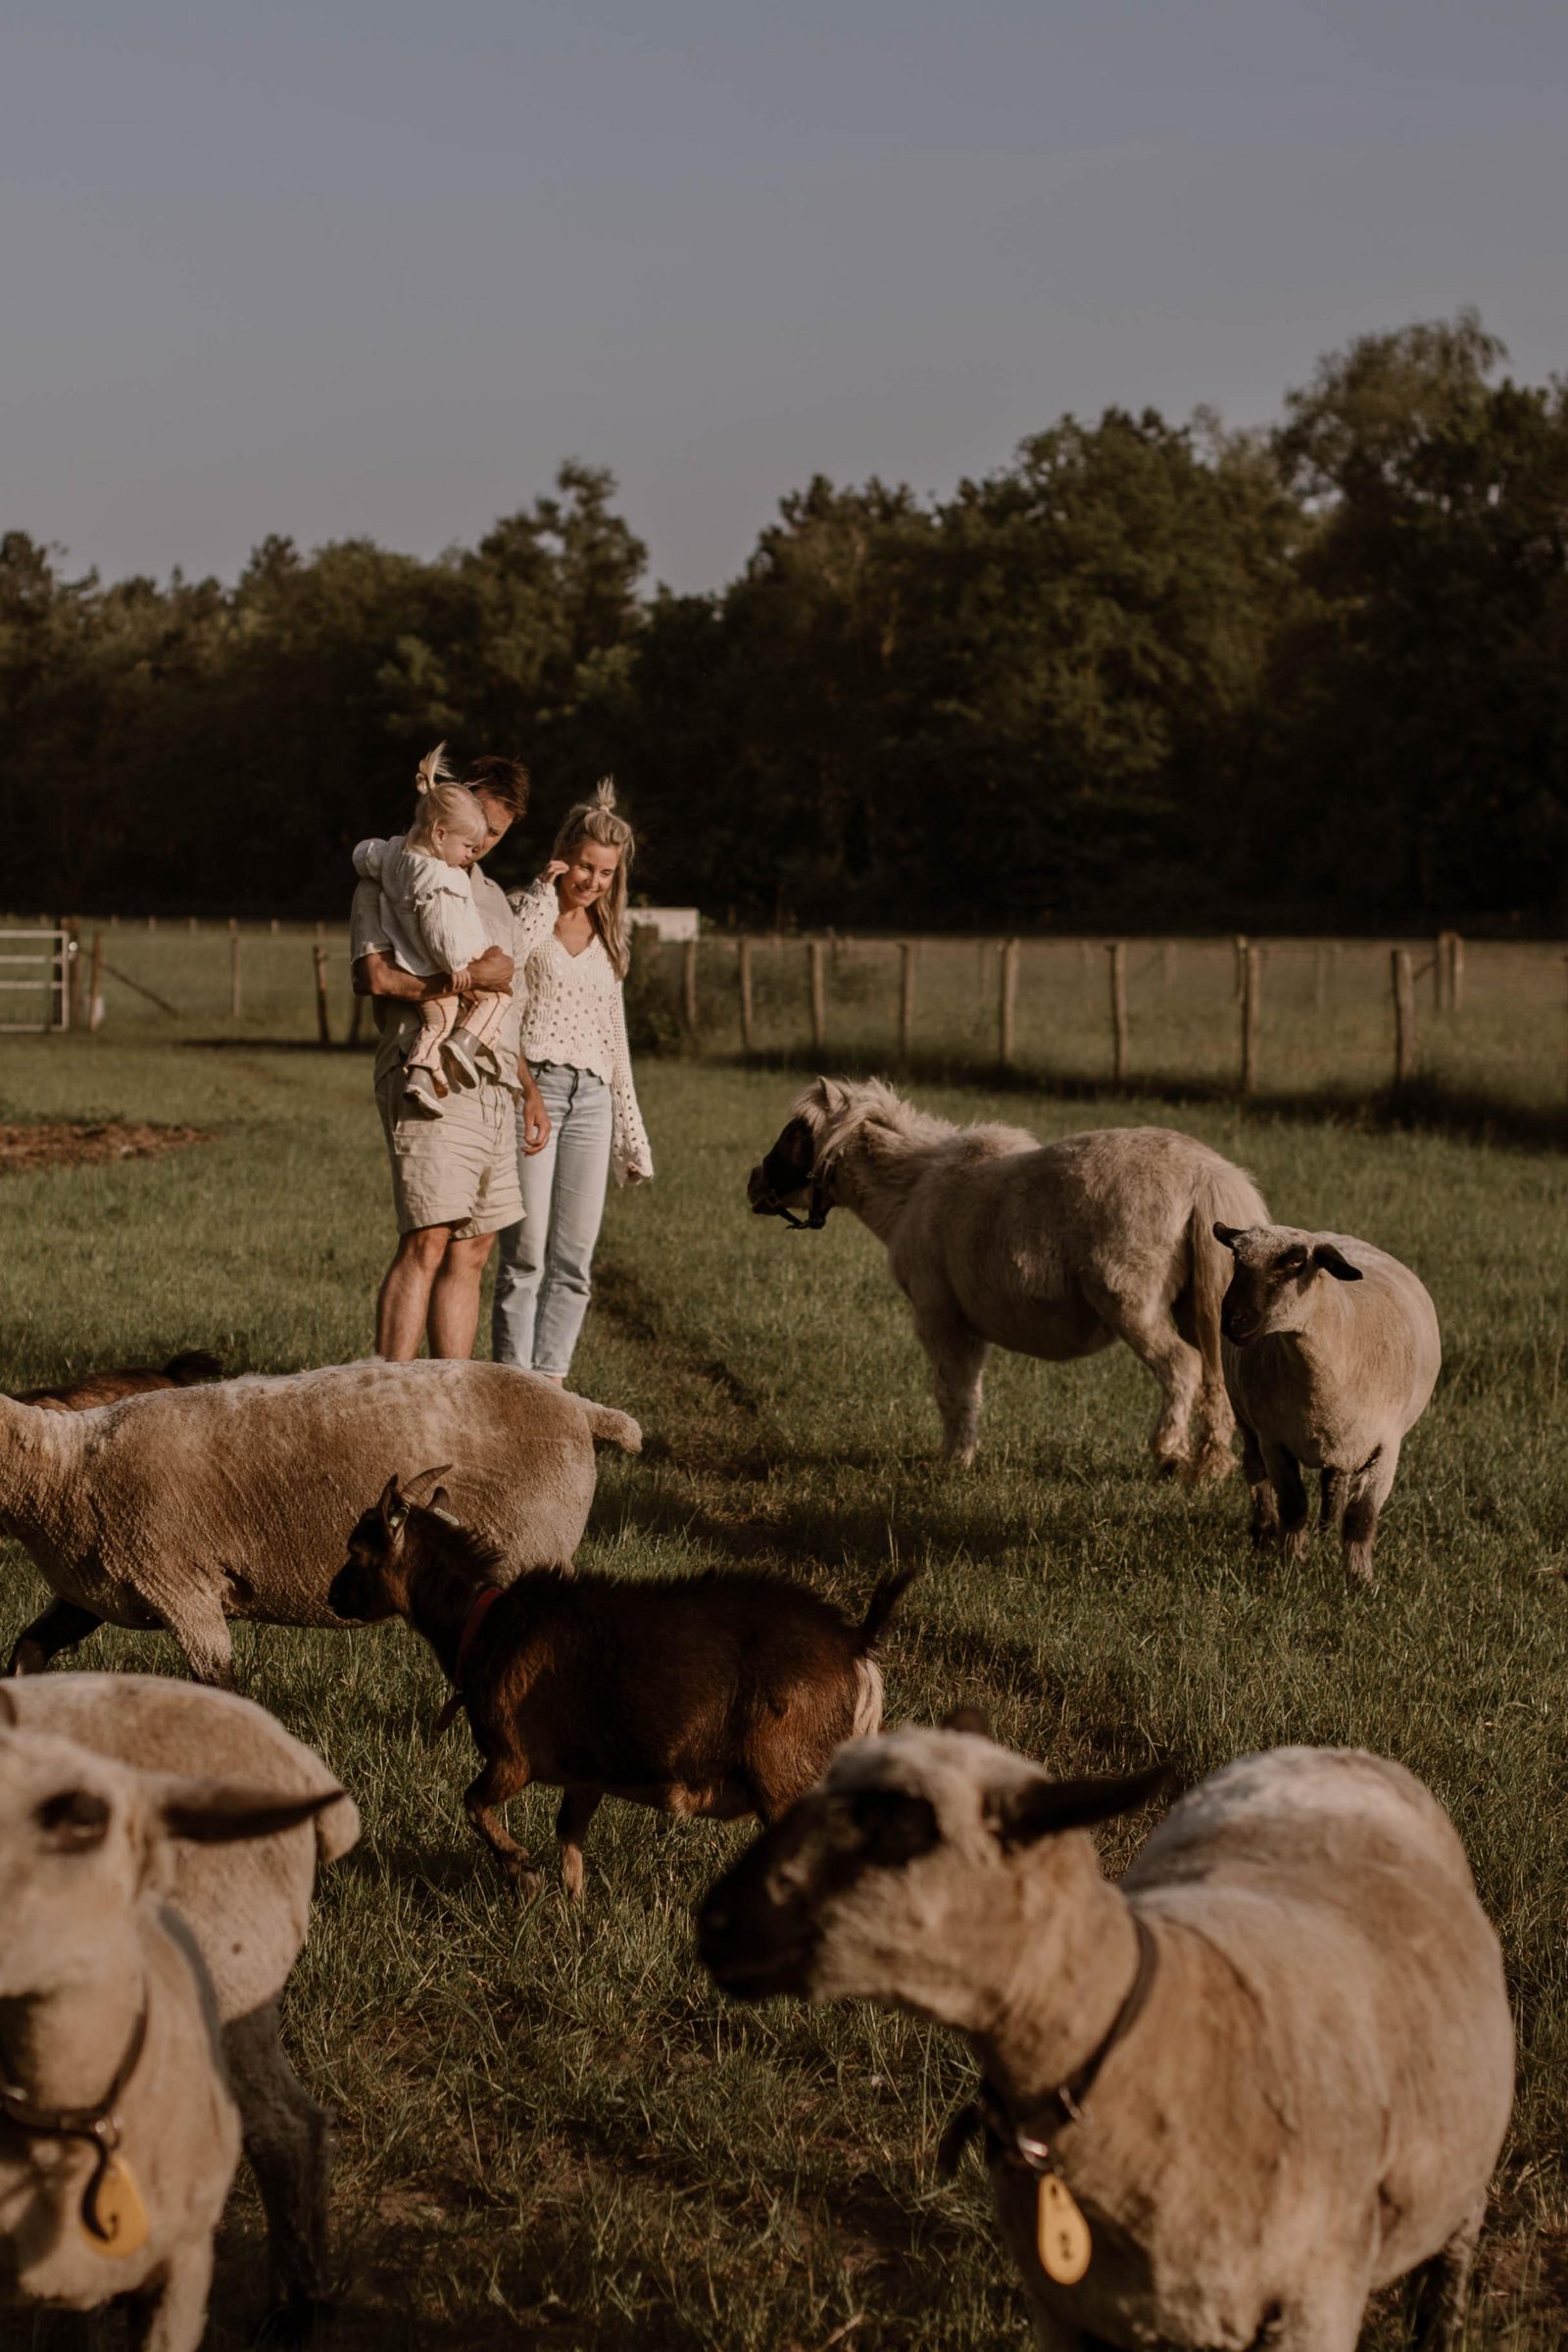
575,1016
428,908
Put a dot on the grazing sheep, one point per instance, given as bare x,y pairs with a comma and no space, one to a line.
119,2134
1262,2077
723,1694
192,1506
128,1380
1053,1249
1331,1352
248,1907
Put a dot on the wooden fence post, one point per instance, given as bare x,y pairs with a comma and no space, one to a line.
324,1027
73,950
743,968
95,984
355,1016
1240,945
905,999
1320,970
1456,970
816,961
1403,1015
233,970
1007,1001
1252,991
688,986
1117,953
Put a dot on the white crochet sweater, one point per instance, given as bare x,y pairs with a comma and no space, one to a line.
575,1016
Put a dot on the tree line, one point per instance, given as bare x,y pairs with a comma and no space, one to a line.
1150,673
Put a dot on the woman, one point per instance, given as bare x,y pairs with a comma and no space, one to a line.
573,921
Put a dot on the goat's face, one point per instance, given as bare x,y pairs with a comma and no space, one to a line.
899,1877
373,1582
81,1836
1271,1284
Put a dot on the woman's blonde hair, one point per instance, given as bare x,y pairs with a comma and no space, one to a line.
597,820
443,802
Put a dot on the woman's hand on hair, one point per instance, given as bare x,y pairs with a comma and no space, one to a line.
554,871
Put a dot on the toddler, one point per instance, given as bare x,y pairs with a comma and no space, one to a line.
429,916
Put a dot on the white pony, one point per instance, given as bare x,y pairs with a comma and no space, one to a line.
1053,1249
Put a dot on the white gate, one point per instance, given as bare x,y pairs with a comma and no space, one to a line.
46,961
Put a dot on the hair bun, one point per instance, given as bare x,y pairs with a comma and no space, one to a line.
433,770
605,793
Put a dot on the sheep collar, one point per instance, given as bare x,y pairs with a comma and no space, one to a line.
111,2224
1027,2143
480,1608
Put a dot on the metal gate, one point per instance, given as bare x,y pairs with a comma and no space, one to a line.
47,960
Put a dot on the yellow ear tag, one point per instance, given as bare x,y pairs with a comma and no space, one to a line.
113,2219
1061,2233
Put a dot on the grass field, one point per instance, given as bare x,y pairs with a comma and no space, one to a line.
552,2132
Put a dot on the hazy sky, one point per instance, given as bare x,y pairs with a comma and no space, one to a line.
330,267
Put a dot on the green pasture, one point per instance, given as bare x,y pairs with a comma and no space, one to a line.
552,2131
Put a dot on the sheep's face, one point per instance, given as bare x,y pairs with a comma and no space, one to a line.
372,1582
81,1838
1272,1283
899,1875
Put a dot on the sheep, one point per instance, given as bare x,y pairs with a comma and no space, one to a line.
723,1695
1225,2100
248,1907
193,1506
1054,1250
119,2134
1323,1374
128,1380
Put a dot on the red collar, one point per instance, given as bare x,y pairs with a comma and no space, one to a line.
480,1609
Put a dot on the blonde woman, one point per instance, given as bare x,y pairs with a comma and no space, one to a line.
571,928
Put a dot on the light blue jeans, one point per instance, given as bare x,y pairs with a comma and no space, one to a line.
544,1273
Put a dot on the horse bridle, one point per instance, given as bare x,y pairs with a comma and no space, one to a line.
780,1173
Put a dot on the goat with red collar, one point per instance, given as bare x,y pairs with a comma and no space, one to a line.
723,1694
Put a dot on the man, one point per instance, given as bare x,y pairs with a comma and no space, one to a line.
454,1178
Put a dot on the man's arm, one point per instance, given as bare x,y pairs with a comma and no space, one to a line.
377,975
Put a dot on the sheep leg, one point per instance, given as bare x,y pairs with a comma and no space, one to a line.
1442,2290
203,1635
1285,1475
62,1625
577,1810
501,1779
288,2142
1149,1331
1334,1488
170,2316
1370,1490
957,1357
1265,1520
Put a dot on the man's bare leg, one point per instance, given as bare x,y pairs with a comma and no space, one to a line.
455,1295
405,1300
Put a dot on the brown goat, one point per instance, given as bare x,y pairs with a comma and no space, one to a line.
130,1380
720,1693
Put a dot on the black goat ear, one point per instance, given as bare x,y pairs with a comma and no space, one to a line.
968,1719
391,1500
1229,1234
1334,1261
1020,1816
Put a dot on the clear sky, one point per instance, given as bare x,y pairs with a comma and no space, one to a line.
332,267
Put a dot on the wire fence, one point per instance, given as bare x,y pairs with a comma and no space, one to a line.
1482,1020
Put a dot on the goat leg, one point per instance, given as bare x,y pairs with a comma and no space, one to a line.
577,1810
501,1779
170,2316
62,1625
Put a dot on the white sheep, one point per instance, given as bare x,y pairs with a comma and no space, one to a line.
1054,1250
119,2132
247,1904
1262,2077
192,1506
1331,1352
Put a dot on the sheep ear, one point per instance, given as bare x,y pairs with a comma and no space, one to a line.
1334,1261
1229,1234
1020,1816
967,1719
221,1812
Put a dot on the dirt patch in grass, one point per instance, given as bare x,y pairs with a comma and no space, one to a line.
74,1143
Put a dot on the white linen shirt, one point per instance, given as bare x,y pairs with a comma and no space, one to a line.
576,1016
427,907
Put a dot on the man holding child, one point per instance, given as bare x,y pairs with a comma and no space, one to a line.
454,1175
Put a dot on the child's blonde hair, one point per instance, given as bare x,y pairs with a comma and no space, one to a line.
597,820
444,803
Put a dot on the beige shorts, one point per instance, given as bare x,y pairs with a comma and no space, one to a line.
459,1170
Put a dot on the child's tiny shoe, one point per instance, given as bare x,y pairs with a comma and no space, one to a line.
422,1086
460,1051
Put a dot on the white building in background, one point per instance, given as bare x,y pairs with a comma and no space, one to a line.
670,923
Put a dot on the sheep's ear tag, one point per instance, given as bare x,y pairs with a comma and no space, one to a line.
1061,2233
113,2219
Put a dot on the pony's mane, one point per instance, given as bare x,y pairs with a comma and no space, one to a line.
837,1109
